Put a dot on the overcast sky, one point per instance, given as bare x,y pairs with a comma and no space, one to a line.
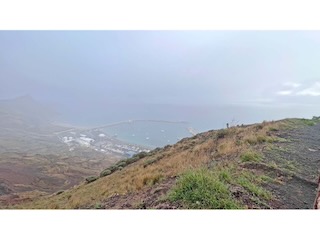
165,67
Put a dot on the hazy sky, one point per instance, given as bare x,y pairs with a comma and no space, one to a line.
81,68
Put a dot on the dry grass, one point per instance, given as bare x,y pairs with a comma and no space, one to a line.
193,153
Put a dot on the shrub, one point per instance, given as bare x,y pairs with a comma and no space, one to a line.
112,168
222,133
131,160
122,163
105,172
152,161
140,155
59,192
91,179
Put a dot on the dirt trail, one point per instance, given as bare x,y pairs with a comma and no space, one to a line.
300,160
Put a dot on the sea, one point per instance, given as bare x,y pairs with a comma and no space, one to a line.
148,133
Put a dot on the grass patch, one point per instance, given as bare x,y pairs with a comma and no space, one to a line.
290,165
273,164
151,180
253,188
210,189
225,175
266,179
308,122
250,156
98,206
299,122
252,140
281,140
273,129
261,138
201,189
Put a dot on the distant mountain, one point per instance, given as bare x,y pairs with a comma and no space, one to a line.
24,112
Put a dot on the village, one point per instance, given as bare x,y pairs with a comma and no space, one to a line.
101,142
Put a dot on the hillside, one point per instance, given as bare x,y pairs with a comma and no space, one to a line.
271,165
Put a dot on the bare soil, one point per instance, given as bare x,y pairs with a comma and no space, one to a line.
297,163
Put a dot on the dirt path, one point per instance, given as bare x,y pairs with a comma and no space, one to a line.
300,160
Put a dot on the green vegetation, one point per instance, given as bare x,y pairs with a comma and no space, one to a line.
273,129
122,163
152,160
201,189
97,206
280,161
291,166
308,122
258,139
91,179
250,156
105,172
210,189
300,122
261,138
266,179
253,188
225,175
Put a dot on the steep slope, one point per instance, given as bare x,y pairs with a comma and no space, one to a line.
267,165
